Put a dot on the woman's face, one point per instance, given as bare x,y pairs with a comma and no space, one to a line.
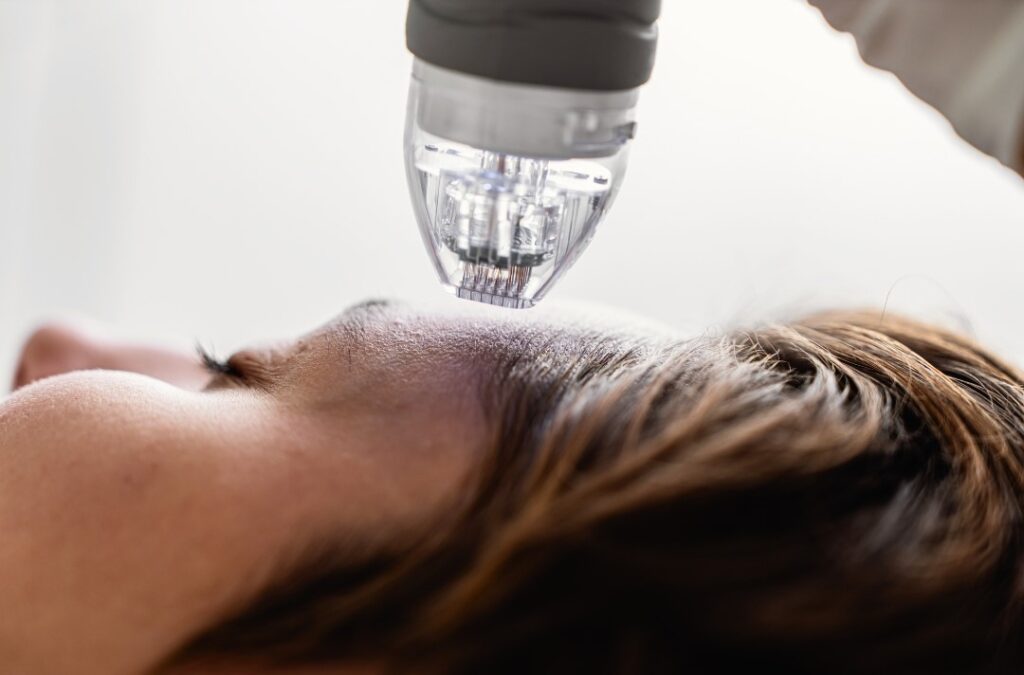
141,503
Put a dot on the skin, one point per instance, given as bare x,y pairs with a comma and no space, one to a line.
141,502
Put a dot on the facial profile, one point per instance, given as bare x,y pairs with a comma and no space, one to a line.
421,492
174,478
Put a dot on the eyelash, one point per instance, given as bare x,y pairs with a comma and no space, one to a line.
218,367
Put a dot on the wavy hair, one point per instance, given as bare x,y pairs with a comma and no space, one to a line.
839,494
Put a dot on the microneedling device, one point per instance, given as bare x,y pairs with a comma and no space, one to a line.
521,114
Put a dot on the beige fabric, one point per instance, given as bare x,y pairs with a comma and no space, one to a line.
965,57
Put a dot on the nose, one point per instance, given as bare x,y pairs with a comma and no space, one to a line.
54,349
63,347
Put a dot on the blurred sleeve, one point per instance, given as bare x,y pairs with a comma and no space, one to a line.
964,57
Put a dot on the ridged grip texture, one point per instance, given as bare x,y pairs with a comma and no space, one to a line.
601,45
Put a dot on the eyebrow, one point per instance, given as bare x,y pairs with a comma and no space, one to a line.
370,303
354,319
360,313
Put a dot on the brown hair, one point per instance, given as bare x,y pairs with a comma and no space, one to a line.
843,494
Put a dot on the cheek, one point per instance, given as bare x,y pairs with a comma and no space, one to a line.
131,512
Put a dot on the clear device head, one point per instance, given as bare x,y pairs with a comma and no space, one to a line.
510,181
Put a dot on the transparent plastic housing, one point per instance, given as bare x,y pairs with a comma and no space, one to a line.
503,228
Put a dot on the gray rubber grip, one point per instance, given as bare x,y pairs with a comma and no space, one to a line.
602,45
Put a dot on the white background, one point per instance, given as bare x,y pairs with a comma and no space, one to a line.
229,170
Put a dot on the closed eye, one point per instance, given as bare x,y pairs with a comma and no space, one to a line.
219,369
254,369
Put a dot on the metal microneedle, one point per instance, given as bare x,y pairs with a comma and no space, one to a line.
521,114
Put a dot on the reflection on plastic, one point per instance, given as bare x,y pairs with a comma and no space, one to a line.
503,228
